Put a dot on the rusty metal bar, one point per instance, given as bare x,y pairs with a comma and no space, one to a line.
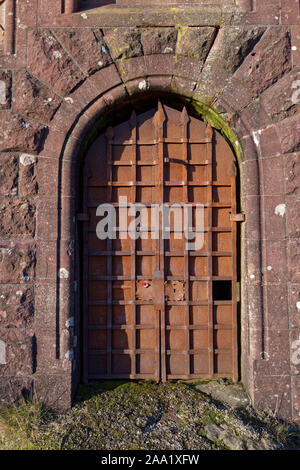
184,121
233,175
159,274
133,125
109,136
209,158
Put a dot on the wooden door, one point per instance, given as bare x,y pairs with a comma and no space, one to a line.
153,307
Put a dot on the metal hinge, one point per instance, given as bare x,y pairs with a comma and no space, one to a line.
237,217
83,217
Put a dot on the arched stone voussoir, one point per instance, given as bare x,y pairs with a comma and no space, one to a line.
48,61
73,124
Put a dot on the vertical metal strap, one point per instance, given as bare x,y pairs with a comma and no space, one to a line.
109,136
85,279
159,274
209,154
133,125
233,175
184,138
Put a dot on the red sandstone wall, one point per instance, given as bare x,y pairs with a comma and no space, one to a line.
59,65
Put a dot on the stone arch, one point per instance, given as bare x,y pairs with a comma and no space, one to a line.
70,134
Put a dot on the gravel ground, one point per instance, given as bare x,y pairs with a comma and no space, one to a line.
171,416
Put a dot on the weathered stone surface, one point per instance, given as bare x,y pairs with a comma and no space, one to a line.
293,211
294,260
268,61
224,58
32,98
289,134
17,218
296,398
20,134
16,306
132,68
294,305
28,184
296,44
14,389
233,395
282,100
54,390
195,42
124,43
276,296
8,174
48,61
86,46
290,12
273,181
292,173
17,262
273,393
5,89
20,352
159,40
233,45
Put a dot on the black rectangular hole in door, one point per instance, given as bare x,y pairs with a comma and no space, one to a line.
222,290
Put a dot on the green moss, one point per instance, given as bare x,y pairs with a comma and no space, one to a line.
217,121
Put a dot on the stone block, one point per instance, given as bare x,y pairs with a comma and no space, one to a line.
19,357
49,62
9,169
16,306
17,218
86,46
17,262
32,98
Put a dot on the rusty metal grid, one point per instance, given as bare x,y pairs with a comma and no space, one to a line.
183,324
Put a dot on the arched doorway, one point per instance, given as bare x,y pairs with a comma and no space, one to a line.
157,306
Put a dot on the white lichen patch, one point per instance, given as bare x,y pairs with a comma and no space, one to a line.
84,16
63,273
298,305
70,100
143,85
2,352
280,210
25,124
27,160
269,268
57,55
256,137
2,92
